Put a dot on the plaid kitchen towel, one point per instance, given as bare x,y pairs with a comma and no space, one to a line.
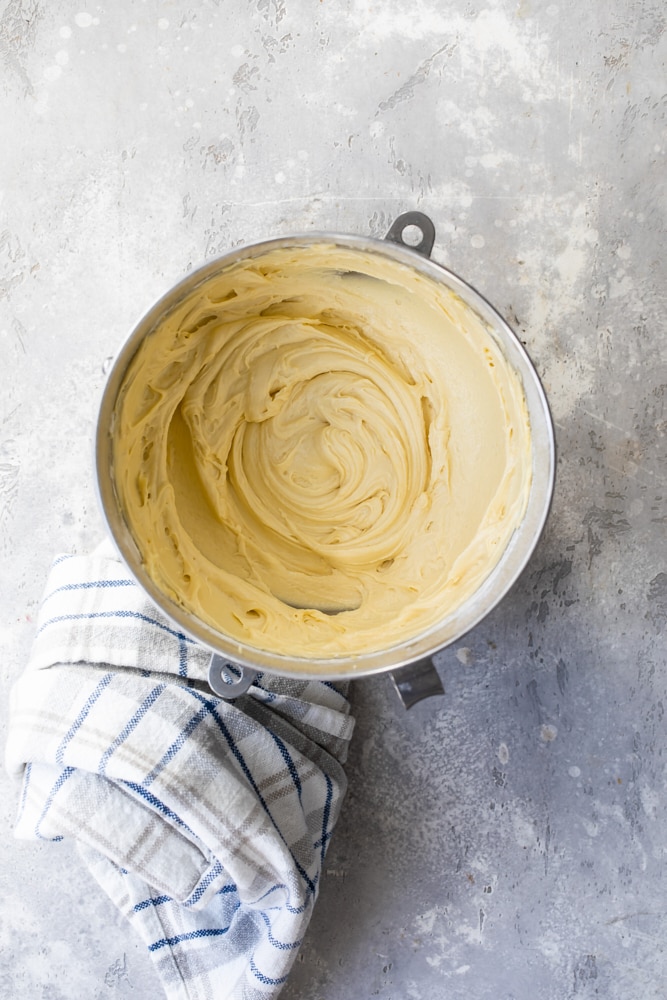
206,821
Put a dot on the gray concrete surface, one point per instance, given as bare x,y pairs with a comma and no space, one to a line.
507,840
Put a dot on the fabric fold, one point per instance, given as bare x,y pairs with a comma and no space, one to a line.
206,821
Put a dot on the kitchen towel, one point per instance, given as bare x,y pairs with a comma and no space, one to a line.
205,821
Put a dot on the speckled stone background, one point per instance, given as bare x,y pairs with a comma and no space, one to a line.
508,840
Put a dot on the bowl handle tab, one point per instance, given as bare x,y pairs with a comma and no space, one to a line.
413,221
417,681
229,680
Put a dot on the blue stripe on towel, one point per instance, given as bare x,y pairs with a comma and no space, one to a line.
266,979
291,767
291,909
227,888
215,872
282,945
326,834
269,696
78,722
130,726
175,746
203,932
333,687
158,804
90,585
153,901
182,657
113,614
238,756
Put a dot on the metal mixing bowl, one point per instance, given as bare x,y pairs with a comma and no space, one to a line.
409,662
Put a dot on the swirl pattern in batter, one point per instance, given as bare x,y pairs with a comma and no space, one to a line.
321,452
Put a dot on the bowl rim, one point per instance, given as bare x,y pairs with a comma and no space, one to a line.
451,628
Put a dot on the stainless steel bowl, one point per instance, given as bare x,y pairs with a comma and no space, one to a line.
234,665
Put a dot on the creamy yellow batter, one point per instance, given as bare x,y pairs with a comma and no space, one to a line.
321,452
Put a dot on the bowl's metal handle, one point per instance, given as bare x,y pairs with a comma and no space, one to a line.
417,681
419,221
229,680
413,682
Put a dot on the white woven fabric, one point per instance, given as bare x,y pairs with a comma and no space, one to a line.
205,821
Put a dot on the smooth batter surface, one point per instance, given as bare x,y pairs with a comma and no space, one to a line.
321,452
